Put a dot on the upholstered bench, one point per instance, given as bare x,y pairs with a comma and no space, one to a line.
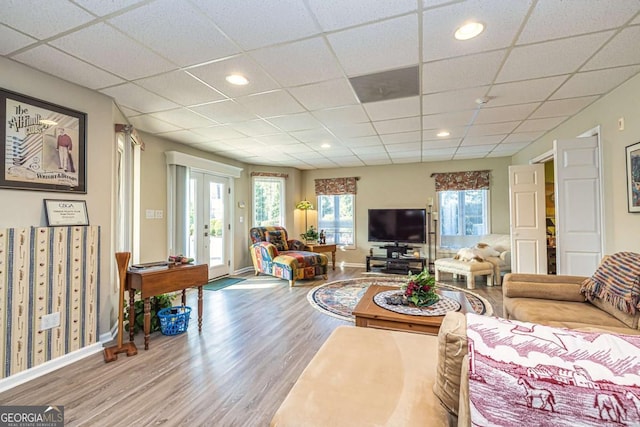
470,269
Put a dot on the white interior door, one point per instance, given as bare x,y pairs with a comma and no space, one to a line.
527,210
209,234
578,206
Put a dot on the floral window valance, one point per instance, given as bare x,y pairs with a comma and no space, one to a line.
336,186
468,180
273,174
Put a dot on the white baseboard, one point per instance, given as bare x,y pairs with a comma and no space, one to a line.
244,270
50,366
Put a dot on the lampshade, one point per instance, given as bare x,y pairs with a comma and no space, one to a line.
304,205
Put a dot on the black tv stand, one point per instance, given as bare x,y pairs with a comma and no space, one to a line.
396,249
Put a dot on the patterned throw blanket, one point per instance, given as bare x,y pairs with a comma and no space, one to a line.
523,374
617,281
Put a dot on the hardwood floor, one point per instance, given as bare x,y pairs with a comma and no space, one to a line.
254,344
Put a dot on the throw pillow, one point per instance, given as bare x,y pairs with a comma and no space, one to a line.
276,238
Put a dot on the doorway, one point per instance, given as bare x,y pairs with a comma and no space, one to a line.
209,227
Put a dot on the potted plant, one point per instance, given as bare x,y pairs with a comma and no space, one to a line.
157,303
310,235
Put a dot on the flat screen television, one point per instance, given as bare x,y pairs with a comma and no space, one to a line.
398,225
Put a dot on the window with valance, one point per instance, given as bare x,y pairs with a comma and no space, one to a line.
336,209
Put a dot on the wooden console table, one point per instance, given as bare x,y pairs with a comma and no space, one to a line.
157,281
324,248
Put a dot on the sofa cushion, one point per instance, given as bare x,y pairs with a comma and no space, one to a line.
366,377
543,311
277,238
631,320
452,347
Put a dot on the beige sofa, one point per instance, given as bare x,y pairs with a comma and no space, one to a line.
373,377
556,301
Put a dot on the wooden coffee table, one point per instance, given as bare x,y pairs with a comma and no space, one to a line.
370,315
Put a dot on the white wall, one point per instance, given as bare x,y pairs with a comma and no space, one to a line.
621,227
21,208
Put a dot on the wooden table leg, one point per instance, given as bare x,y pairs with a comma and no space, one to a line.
147,322
184,297
199,308
333,259
132,313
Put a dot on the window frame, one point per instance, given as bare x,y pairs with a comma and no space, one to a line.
353,245
486,214
282,183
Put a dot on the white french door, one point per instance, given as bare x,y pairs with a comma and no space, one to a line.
209,229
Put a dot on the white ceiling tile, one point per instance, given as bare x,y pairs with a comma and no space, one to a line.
45,19
148,24
374,47
482,140
438,151
447,120
225,112
67,67
394,108
495,153
562,107
150,124
274,103
522,137
184,136
456,100
595,82
102,8
492,128
355,12
353,131
443,144
128,111
314,135
255,128
552,58
298,63
397,138
442,158
12,40
454,132
348,161
503,21
471,149
318,96
222,133
342,115
370,152
293,122
279,138
508,113
126,58
215,73
364,141
533,125
636,21
397,125
407,146
258,23
184,118
334,151
553,19
138,98
308,155
180,88
524,92
622,50
513,147
374,161
463,72
409,157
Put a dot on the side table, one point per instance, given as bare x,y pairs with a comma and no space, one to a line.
323,248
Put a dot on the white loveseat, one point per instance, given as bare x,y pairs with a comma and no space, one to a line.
492,267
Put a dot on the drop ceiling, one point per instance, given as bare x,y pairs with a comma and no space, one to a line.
164,62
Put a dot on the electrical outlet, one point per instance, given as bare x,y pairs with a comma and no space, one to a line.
150,214
49,321
159,214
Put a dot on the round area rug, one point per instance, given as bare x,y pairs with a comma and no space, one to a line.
339,298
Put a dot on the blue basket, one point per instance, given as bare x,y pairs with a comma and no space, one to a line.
174,320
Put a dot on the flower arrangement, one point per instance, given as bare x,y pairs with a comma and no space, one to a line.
420,289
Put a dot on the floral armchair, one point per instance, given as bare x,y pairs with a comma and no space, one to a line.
275,254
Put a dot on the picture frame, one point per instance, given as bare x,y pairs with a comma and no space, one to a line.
633,176
43,145
65,213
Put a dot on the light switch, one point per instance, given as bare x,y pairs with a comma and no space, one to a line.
150,214
159,214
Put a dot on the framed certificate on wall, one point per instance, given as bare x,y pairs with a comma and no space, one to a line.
64,213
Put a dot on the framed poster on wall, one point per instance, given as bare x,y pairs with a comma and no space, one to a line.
633,176
44,145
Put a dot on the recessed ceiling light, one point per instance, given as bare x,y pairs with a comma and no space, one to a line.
443,133
237,79
469,31
325,145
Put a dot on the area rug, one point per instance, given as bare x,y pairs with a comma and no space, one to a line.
339,298
218,284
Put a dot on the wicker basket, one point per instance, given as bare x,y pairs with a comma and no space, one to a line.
174,320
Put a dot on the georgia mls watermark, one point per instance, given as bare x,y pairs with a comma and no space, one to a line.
31,416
